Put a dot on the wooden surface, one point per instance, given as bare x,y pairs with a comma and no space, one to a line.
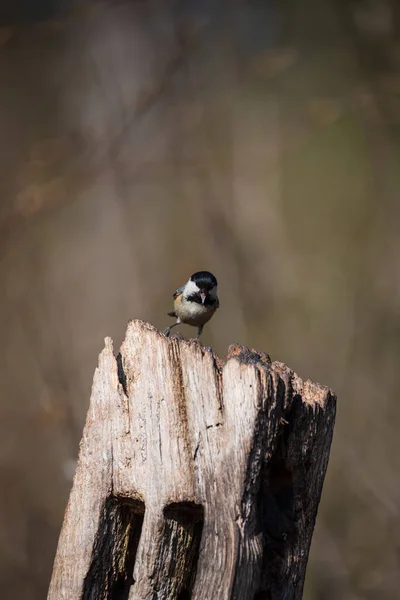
195,479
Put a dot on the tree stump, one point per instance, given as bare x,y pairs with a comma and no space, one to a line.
195,479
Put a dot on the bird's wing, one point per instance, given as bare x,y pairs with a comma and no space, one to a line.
179,291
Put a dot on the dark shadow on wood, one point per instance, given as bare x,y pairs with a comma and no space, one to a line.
263,595
110,574
276,513
121,374
183,529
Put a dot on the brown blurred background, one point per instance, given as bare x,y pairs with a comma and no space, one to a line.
142,141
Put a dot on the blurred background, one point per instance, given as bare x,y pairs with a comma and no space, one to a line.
144,140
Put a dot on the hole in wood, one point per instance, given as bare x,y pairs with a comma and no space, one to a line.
110,575
179,553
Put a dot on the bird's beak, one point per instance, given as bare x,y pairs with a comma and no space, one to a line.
203,296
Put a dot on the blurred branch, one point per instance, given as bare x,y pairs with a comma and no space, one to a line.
187,38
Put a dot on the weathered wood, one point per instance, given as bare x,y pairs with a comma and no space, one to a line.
195,480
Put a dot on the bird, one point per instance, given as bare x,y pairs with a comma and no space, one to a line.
195,302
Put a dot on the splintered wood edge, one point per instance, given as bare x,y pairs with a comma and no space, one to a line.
311,393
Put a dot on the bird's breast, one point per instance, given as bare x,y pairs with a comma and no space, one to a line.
193,313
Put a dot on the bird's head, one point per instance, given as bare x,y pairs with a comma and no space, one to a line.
202,286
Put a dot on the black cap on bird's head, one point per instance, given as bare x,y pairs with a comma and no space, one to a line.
205,281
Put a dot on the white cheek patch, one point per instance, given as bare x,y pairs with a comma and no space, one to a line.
190,288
